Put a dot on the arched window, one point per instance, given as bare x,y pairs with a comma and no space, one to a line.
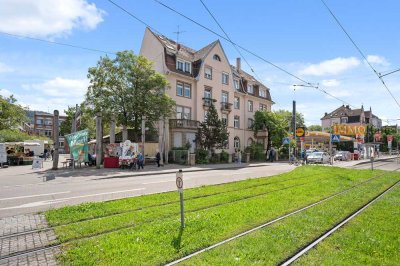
249,142
236,143
216,57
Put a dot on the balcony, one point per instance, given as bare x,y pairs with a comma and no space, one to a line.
183,123
208,101
226,107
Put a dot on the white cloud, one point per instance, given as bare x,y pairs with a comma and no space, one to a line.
48,18
331,67
5,69
330,83
377,60
5,93
61,87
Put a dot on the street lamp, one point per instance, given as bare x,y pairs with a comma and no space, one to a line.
143,132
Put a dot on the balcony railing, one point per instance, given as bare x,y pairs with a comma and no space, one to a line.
226,106
208,101
184,123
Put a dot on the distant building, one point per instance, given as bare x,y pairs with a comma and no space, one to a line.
345,115
199,78
44,126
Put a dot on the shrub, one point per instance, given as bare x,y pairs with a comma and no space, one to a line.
256,151
202,156
224,157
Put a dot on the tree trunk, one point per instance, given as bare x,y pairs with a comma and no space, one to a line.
112,130
124,133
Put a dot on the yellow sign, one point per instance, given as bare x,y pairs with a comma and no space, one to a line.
300,132
349,130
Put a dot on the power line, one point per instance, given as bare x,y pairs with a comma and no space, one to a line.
57,43
224,38
394,71
361,53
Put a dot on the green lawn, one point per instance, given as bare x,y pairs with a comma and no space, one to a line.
213,213
371,238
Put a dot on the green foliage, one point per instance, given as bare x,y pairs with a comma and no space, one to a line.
314,128
12,114
201,156
87,121
287,117
129,88
212,133
273,123
256,151
14,135
224,156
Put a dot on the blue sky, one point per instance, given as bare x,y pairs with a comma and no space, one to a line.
298,36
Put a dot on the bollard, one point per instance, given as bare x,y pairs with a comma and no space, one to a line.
179,185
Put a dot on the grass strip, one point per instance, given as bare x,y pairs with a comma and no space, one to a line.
274,244
86,211
161,241
120,221
371,238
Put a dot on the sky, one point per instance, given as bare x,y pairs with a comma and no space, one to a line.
299,37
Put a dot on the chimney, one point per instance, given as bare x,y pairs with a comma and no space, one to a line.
238,64
178,46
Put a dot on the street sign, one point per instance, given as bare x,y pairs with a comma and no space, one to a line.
37,163
179,182
300,132
179,185
285,141
335,138
302,139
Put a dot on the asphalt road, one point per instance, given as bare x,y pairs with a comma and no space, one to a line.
20,196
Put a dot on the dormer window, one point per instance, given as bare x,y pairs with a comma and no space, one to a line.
262,93
250,89
183,66
216,57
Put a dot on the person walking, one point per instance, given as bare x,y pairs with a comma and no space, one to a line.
140,159
158,158
52,154
267,155
239,157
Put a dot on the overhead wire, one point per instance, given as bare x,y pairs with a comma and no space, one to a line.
360,52
56,43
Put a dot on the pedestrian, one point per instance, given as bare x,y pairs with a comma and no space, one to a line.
267,155
45,154
239,157
272,155
140,159
158,158
52,154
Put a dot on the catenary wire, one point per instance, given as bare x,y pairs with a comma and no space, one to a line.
361,53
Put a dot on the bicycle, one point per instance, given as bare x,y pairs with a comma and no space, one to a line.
295,161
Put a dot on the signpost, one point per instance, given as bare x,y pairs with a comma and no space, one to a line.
37,163
179,185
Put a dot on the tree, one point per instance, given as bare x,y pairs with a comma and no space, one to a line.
287,117
212,133
128,88
314,128
12,114
86,122
274,123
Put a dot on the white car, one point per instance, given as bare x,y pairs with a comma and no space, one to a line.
318,157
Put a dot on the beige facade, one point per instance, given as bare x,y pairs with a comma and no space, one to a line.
198,78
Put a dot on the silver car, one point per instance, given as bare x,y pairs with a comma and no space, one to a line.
318,157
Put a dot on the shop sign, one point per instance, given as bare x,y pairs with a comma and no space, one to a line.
348,130
78,143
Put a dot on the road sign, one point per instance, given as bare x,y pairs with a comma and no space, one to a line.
179,184
285,141
302,139
335,138
300,132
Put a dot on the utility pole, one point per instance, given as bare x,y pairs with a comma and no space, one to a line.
143,134
294,128
56,139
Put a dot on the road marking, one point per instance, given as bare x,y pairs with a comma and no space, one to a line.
33,196
47,202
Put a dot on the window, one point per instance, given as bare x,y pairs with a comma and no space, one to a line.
236,143
343,120
224,97
236,103
216,57
249,142
207,93
225,78
236,121
262,93
48,122
205,115
61,144
208,72
47,133
250,106
184,66
183,112
236,84
224,119
250,88
183,89
250,123
39,121
263,107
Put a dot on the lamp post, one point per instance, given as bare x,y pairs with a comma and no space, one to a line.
143,133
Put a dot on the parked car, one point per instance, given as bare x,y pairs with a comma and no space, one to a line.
318,157
342,156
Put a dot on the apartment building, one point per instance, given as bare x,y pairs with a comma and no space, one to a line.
345,115
43,125
199,78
